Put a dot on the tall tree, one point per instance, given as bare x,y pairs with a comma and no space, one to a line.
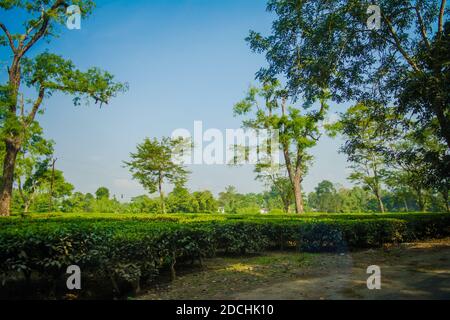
155,162
322,43
298,131
46,73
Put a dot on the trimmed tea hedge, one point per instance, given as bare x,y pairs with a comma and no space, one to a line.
117,256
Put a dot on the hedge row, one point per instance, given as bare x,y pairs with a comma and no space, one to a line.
117,257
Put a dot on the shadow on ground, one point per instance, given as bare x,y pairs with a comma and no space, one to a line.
408,271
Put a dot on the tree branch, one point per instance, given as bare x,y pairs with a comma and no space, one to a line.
43,29
399,46
423,30
19,184
36,106
441,19
28,32
9,36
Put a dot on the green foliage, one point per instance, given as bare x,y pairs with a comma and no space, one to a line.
363,148
324,198
45,74
54,73
102,193
265,108
120,251
317,44
156,162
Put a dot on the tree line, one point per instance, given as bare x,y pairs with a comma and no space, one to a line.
326,198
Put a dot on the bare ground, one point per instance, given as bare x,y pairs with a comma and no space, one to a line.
408,271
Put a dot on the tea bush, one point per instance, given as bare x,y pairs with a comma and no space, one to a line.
118,255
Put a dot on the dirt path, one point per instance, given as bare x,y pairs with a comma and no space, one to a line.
409,271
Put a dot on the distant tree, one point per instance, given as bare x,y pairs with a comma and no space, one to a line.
276,178
102,193
156,162
144,204
75,203
398,184
30,187
229,199
205,201
106,205
354,200
180,200
364,149
53,185
325,198
297,132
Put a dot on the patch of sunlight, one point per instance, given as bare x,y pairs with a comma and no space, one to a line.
244,268
435,271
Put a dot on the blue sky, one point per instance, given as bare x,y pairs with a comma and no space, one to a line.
184,61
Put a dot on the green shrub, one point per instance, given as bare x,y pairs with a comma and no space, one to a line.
122,253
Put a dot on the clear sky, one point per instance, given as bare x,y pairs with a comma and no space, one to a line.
184,61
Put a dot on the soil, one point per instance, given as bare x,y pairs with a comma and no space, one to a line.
408,271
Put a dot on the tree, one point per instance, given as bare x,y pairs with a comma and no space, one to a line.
53,185
78,202
363,148
143,204
398,185
297,132
321,43
318,44
102,193
32,163
277,179
180,200
156,162
325,197
45,73
205,201
228,199
354,200
413,159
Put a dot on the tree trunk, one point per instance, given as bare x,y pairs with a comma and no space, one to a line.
299,207
420,200
6,187
26,207
161,196
405,202
380,201
286,206
52,182
445,196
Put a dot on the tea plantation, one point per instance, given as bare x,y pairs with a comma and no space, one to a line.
118,254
